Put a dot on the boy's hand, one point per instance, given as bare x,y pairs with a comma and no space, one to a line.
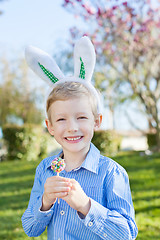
77,198
54,187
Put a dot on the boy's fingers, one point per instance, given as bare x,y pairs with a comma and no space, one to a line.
59,178
61,189
54,183
56,189
60,194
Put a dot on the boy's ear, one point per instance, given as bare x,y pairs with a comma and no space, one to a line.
49,126
98,122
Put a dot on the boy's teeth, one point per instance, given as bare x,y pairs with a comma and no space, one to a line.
73,139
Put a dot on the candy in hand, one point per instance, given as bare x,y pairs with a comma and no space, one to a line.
58,165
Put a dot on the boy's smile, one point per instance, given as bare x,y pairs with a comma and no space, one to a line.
74,139
72,124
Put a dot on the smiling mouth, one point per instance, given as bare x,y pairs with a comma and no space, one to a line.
71,139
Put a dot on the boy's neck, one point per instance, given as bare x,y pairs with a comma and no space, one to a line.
74,160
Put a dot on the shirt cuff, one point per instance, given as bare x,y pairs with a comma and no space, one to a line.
93,213
42,216
93,220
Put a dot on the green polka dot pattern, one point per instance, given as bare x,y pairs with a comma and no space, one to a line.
48,74
82,70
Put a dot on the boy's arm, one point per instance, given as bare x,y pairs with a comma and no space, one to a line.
116,220
35,221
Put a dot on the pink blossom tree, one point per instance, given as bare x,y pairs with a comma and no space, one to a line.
126,36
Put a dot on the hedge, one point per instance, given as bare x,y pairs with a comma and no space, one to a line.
151,140
108,141
25,142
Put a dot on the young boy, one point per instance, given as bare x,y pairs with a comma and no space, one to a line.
94,193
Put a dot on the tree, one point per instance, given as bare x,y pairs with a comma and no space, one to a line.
126,36
17,99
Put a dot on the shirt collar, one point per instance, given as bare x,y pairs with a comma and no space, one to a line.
91,162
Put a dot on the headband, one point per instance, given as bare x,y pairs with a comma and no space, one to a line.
84,62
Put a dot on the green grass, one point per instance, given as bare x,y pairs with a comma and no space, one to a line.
16,180
144,175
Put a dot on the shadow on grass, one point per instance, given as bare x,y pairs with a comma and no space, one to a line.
147,198
14,202
147,209
17,173
144,185
144,237
11,228
16,186
140,164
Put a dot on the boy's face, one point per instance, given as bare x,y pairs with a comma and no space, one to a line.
73,124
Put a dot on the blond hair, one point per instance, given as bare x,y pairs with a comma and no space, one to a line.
69,90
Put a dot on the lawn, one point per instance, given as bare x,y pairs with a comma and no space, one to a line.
16,179
144,175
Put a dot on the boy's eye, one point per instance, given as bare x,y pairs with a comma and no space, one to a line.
82,117
60,119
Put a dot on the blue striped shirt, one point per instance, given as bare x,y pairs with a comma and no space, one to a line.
111,215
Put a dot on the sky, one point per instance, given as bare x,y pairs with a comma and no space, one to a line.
41,23
45,24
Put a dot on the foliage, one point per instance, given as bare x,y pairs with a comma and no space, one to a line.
16,181
108,141
126,36
27,142
18,102
151,140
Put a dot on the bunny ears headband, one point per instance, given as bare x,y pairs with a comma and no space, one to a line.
47,69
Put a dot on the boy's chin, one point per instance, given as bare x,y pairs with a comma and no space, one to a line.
76,147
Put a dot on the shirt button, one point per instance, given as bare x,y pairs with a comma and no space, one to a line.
62,212
90,224
105,235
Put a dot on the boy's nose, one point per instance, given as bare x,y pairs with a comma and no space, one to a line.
72,126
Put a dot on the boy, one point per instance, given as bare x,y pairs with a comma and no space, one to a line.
95,198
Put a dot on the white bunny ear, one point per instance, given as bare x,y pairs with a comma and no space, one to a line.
43,65
84,59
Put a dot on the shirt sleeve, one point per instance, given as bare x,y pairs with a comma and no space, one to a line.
116,219
34,221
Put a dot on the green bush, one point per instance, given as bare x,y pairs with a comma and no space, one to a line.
25,142
151,140
108,141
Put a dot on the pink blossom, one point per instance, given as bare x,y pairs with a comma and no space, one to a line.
67,1
107,29
99,12
89,9
125,4
109,13
100,22
114,7
143,29
136,39
116,59
85,34
158,24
